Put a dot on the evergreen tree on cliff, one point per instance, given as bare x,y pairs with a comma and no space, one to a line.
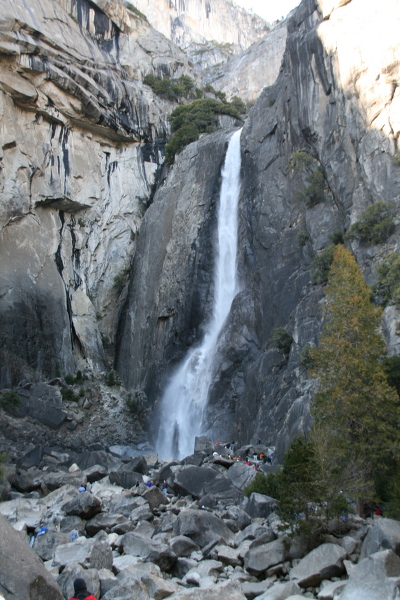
356,412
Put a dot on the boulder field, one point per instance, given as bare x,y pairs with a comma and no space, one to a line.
202,539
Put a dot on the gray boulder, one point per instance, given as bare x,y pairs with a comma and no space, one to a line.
251,532
259,505
251,589
84,505
192,481
22,573
203,444
384,535
107,581
259,559
58,479
125,478
72,572
148,550
331,589
237,514
124,505
241,474
95,473
138,465
228,556
230,590
104,521
182,545
126,590
45,545
374,578
281,591
323,562
32,458
265,538
85,460
154,497
27,481
202,527
89,553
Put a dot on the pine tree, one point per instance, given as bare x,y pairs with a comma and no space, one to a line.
356,412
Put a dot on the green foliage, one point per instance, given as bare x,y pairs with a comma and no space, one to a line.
314,192
57,371
271,102
171,89
306,358
82,392
263,484
69,395
239,105
302,238
300,160
188,121
336,237
281,339
111,379
120,280
9,400
105,340
355,411
387,287
375,225
81,222
321,265
69,379
391,366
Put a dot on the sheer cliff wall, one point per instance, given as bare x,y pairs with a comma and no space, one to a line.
336,98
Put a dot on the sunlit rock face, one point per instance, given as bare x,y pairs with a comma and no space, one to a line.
81,142
199,21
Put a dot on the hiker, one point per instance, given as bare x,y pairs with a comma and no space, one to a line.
80,591
233,446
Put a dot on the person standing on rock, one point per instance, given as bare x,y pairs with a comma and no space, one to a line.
80,591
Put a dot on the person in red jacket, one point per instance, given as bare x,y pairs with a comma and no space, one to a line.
80,591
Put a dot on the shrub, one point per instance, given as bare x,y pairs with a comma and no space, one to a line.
314,192
69,379
396,159
81,222
391,366
302,238
300,160
9,400
188,121
171,89
306,356
263,484
57,371
281,339
135,10
387,287
111,379
120,280
131,404
375,225
239,105
336,237
321,264
69,395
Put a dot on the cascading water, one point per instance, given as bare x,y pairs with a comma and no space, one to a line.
185,398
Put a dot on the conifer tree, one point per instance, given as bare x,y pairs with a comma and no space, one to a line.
356,412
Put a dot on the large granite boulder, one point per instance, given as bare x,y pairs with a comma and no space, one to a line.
321,563
259,505
281,591
259,559
89,553
125,478
383,535
84,505
45,545
376,577
230,590
22,574
148,550
72,572
193,480
241,474
202,527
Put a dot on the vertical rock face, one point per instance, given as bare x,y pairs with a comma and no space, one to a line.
79,149
199,21
336,99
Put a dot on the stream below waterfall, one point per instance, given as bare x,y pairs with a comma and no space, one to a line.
185,397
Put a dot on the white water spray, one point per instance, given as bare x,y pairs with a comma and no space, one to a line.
185,398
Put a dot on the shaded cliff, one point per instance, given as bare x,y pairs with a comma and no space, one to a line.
336,99
81,141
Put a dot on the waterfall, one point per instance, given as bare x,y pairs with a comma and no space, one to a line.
185,397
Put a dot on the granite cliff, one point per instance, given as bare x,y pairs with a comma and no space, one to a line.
85,198
336,99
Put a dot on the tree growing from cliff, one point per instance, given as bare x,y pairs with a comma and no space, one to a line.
356,412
